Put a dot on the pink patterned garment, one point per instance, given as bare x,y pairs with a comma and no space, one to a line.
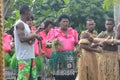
36,47
68,40
33,28
7,38
44,37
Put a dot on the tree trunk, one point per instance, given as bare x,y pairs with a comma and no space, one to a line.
116,12
2,68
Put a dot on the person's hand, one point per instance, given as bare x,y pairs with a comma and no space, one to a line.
108,41
99,50
115,41
95,45
12,45
43,53
39,38
77,51
33,33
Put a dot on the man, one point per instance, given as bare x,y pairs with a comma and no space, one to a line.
23,46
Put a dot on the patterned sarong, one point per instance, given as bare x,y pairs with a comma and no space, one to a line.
27,71
62,63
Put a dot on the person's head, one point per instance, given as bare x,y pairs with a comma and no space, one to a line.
118,31
109,24
41,26
90,24
48,25
25,12
29,21
63,21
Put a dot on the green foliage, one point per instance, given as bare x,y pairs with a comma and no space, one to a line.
11,19
78,10
13,62
108,3
7,59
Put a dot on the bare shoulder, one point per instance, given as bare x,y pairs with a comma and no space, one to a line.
20,29
20,26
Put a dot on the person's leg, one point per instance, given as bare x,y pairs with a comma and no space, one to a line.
23,69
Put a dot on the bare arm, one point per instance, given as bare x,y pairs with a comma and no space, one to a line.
116,41
89,48
21,34
43,53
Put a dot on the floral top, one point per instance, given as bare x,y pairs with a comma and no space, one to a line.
43,42
6,40
68,40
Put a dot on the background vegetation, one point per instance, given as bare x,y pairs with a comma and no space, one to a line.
78,10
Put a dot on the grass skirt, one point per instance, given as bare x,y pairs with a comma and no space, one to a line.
87,66
62,63
108,66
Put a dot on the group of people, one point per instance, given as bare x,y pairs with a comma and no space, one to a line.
99,59
97,54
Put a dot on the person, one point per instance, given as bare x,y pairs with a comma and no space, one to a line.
109,25
8,52
23,47
7,48
90,25
82,53
47,26
108,61
87,63
64,38
117,40
38,57
7,39
46,52
117,31
30,23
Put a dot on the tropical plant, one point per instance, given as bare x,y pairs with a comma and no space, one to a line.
78,10
108,3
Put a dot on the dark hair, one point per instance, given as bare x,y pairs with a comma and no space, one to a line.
30,18
24,9
89,20
47,22
110,19
63,16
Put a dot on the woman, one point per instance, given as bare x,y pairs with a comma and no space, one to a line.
47,26
62,61
87,63
108,61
